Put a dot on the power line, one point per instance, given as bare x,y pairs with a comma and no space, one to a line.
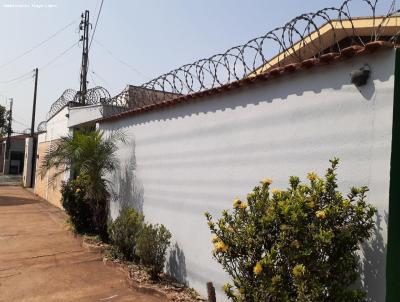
18,116
29,74
58,57
37,45
121,61
20,123
100,77
95,25
18,79
93,81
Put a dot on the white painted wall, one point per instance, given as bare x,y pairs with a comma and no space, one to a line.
188,159
79,116
57,126
27,172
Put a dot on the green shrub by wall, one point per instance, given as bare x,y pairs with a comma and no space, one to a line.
151,248
76,205
124,231
297,244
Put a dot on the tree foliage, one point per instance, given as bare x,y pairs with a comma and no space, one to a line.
297,244
3,121
76,205
90,154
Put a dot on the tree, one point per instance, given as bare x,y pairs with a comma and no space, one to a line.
92,155
298,244
3,121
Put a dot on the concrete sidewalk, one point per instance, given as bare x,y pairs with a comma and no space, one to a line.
41,261
10,180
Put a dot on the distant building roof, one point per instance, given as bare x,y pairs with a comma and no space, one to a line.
333,36
15,137
136,97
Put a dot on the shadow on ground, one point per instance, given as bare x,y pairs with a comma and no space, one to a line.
12,201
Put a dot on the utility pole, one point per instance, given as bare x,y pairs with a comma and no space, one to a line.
8,141
84,26
33,141
34,103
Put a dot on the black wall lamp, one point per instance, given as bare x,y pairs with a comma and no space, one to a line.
360,76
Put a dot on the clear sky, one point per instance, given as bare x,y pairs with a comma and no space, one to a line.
152,36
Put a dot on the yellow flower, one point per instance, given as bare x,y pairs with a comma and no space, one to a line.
346,203
78,190
236,203
320,214
312,176
266,181
243,205
220,246
275,191
299,270
214,238
257,269
226,287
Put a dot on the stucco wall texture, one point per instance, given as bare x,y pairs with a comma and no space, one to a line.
184,160
47,186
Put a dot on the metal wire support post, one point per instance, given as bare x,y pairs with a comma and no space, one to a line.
84,27
8,141
34,103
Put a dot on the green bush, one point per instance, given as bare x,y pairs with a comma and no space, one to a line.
297,244
152,246
124,231
76,205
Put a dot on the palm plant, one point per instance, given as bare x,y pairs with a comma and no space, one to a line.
88,153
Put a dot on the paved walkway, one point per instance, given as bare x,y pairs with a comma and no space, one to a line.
41,261
6,179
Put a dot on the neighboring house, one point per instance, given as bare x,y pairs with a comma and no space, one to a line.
196,153
67,115
14,163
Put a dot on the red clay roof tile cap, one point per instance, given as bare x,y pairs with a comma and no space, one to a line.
291,67
309,63
329,57
225,87
372,46
248,80
232,85
276,71
351,50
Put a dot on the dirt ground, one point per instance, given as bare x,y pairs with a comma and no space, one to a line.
41,261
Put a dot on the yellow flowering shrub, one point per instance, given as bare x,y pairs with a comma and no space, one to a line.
297,244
